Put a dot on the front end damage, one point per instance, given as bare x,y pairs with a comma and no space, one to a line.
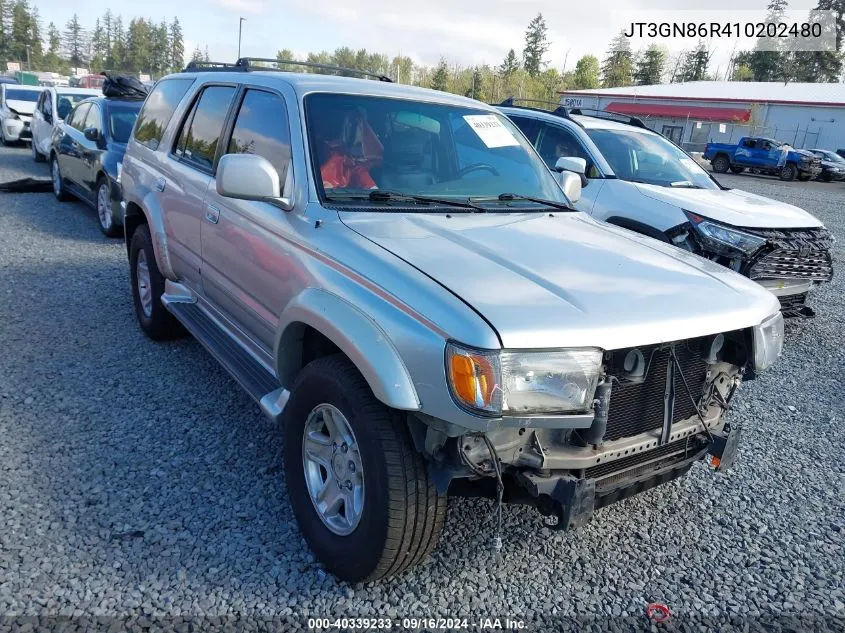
657,410
787,262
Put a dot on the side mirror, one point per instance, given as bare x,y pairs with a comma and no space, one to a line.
571,163
571,185
92,134
251,177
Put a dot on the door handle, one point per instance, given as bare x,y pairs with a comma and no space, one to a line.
212,214
159,184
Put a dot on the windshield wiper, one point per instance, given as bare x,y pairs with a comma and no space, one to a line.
507,197
380,195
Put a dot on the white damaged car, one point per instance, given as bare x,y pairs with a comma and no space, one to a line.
638,179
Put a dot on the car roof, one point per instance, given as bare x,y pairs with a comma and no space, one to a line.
586,122
305,83
77,91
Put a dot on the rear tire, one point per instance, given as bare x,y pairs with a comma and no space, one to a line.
37,156
788,172
737,169
402,514
721,164
147,289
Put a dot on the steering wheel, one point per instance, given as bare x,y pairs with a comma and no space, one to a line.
477,167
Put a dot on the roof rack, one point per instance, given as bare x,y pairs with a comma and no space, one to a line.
610,116
511,102
249,64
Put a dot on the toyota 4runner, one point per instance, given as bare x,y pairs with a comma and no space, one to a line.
394,274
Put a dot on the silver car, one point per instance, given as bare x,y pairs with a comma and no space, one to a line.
395,274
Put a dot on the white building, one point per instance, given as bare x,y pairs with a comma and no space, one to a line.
806,115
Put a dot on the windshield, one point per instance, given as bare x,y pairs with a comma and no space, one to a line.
361,144
830,156
22,95
121,120
649,158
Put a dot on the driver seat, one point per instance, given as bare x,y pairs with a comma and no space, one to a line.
408,161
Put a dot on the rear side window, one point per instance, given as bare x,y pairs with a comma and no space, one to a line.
527,127
94,119
158,108
262,129
202,129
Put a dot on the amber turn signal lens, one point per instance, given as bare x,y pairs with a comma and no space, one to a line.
473,378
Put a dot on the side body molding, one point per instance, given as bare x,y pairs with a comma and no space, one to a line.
356,334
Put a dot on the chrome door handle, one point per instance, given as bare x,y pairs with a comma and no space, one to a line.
212,214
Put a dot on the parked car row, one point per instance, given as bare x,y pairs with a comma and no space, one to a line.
431,308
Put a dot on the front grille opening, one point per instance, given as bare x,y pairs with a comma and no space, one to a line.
637,407
654,459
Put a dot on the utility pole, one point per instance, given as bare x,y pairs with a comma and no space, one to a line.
28,63
240,30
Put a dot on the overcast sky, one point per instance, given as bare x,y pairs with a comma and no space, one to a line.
463,31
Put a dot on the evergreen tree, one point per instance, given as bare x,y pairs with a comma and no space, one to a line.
618,66
51,60
177,46
74,42
510,65
197,56
108,33
138,45
536,46
118,45
440,78
766,61
99,48
822,66
476,88
695,64
34,38
650,66
160,50
587,72
4,32
19,32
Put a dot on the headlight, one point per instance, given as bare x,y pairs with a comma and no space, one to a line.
768,342
724,239
523,383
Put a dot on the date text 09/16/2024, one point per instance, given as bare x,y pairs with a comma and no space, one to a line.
418,623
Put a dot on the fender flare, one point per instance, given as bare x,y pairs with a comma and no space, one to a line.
155,221
638,227
357,335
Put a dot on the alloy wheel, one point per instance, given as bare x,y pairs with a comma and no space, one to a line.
145,292
333,469
104,206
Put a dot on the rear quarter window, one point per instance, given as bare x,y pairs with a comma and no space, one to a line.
158,109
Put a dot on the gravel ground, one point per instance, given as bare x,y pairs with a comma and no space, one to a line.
137,480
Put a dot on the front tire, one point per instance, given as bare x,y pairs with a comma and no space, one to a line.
104,209
788,172
721,164
58,181
395,513
147,289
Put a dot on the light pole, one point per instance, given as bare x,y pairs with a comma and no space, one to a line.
240,27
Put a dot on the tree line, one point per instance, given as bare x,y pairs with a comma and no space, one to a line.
141,46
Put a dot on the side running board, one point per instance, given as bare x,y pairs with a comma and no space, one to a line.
250,374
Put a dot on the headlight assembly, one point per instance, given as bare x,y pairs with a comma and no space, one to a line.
523,383
768,342
723,239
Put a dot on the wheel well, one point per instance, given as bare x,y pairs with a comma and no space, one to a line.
721,155
300,345
132,220
638,227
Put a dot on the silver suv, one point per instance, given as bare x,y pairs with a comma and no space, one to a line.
395,274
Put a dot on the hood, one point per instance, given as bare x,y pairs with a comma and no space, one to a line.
21,107
734,207
565,280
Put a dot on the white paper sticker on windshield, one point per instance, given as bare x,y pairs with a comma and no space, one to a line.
490,130
692,165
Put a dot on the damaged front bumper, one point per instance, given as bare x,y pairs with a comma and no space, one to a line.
572,500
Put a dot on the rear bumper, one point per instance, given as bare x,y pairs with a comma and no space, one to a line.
573,500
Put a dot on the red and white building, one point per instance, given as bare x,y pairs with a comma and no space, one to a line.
805,115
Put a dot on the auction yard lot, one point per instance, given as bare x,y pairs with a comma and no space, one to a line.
137,478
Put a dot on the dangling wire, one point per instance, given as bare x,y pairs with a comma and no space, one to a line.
500,489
